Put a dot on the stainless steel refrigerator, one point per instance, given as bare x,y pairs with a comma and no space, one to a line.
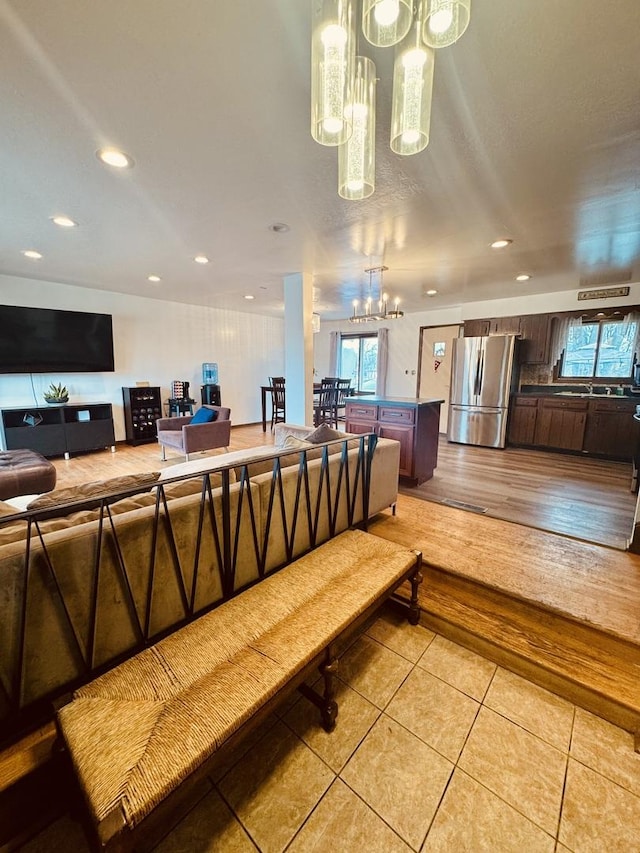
482,377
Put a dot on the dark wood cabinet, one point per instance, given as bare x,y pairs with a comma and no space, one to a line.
600,426
142,408
534,331
476,328
522,421
59,430
560,423
504,326
611,430
412,423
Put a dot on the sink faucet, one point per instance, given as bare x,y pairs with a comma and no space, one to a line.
588,386
607,390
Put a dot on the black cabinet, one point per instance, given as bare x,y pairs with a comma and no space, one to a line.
210,395
142,408
58,430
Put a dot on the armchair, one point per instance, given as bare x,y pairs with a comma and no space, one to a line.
180,434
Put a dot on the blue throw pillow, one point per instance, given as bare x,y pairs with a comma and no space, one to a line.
204,416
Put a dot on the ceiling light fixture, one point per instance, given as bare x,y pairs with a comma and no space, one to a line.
31,253
249,296
279,228
64,222
445,21
343,84
114,157
154,278
431,292
523,277
501,244
201,259
370,313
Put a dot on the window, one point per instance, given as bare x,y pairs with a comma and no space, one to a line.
600,350
358,361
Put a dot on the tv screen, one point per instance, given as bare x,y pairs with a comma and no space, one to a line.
44,340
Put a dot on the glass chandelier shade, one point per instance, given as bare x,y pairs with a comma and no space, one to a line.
412,92
386,22
332,69
356,158
444,21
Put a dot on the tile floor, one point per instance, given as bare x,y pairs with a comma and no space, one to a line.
436,749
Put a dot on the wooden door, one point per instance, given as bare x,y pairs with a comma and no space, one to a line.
434,378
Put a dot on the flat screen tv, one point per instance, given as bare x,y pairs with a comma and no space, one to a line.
45,340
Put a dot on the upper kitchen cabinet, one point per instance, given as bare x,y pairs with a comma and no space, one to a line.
534,330
476,328
504,326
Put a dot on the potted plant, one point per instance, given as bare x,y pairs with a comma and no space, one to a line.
56,394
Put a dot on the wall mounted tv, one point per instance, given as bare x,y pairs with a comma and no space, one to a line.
45,340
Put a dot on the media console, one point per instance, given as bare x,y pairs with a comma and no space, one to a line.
58,430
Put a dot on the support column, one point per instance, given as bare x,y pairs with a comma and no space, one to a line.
298,347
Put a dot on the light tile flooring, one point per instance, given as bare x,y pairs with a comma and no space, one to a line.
436,749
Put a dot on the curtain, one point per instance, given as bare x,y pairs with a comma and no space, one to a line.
561,326
383,361
334,340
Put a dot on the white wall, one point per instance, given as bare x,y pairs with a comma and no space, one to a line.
158,342
404,334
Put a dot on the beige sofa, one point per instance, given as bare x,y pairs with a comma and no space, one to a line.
104,576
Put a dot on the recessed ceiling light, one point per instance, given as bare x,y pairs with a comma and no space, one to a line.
249,296
64,221
279,227
523,277
115,158
501,244
431,292
201,259
31,253
154,278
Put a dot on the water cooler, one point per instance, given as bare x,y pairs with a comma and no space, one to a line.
210,390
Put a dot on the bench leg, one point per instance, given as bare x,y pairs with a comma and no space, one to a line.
329,708
327,702
416,580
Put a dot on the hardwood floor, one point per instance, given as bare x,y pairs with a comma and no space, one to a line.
586,498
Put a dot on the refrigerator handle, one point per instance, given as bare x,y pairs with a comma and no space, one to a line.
476,378
481,371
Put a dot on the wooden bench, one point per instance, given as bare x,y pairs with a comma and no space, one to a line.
169,714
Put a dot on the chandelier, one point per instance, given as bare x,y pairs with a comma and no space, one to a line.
343,84
375,310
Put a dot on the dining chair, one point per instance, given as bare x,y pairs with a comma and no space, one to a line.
324,406
278,404
343,390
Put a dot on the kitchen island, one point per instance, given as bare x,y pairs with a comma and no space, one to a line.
412,421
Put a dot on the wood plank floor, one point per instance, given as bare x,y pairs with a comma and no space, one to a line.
577,496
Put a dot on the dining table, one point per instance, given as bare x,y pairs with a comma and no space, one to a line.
267,389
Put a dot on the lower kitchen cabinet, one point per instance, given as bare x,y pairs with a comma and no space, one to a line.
601,426
522,420
611,429
414,423
561,423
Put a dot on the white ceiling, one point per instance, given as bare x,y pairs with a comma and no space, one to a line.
535,135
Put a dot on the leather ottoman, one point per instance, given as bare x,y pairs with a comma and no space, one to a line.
25,472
